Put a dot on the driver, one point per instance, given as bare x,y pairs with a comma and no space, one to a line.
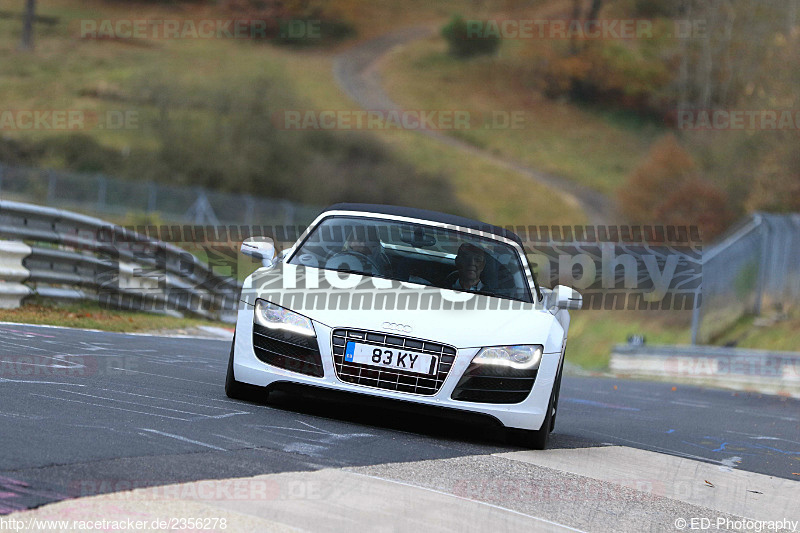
365,242
470,261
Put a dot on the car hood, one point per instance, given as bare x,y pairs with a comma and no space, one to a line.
456,318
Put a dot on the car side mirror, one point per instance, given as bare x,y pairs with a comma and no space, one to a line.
261,248
567,298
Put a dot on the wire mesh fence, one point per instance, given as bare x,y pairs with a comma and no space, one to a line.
102,196
757,264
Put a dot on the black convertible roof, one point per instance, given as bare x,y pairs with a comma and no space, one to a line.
424,214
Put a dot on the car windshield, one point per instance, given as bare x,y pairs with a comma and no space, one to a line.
416,253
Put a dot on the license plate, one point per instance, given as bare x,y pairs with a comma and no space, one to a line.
384,357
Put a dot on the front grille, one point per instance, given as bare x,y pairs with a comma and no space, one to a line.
297,353
391,379
494,384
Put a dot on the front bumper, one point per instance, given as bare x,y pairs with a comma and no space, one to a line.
527,414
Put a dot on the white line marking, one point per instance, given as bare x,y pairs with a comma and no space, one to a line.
649,447
46,326
313,427
148,405
6,343
730,463
6,380
756,413
238,441
690,404
318,432
470,500
204,398
116,332
188,365
173,400
25,417
634,397
184,439
163,376
111,407
756,436
295,429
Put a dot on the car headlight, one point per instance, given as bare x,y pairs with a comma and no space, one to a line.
273,316
523,357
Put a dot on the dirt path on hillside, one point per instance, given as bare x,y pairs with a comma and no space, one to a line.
357,71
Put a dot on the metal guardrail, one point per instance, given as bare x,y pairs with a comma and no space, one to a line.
68,255
12,273
765,370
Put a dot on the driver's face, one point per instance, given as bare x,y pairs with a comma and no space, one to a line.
470,266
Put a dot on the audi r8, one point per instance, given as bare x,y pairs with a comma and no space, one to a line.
405,304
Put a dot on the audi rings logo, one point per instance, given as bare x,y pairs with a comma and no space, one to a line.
402,328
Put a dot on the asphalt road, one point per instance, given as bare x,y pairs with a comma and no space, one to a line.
90,412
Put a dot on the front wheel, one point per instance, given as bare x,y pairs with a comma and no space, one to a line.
555,401
537,439
237,390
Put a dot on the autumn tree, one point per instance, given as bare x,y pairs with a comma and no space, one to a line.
667,188
777,181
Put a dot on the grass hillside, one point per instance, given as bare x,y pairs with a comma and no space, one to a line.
605,113
204,109
597,149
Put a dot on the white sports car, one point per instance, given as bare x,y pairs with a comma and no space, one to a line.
405,304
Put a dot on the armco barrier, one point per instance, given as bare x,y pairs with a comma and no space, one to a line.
727,367
69,256
12,273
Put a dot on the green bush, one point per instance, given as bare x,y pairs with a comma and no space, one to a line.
314,32
469,38
226,138
607,73
655,8
306,23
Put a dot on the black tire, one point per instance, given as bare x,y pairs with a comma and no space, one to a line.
237,390
557,388
537,439
533,438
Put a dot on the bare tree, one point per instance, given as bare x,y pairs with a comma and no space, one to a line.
576,15
27,25
594,10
